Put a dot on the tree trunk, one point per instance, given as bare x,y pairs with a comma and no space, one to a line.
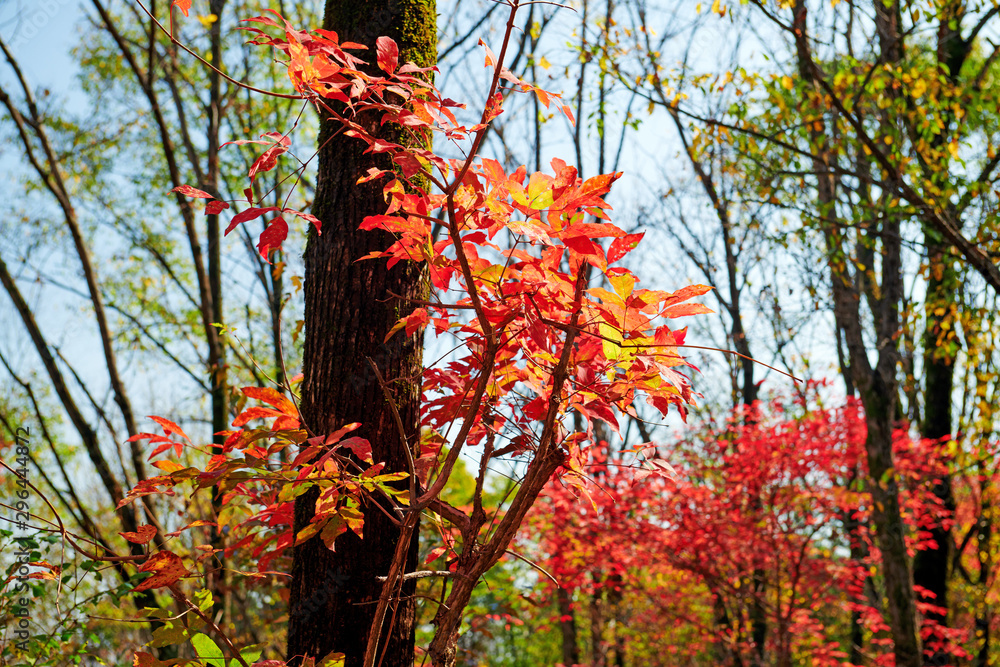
930,566
348,311
877,385
599,656
217,579
616,604
567,625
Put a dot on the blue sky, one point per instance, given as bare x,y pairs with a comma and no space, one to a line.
41,33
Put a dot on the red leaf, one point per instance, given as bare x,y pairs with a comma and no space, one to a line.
189,191
335,437
603,412
251,213
408,163
183,5
591,251
162,448
272,237
142,534
266,162
621,246
388,54
274,138
435,554
215,207
255,412
272,397
166,567
360,447
308,217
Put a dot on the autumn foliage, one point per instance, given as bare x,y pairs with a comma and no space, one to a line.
515,263
795,533
767,516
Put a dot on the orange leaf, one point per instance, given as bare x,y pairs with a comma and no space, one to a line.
168,466
183,5
142,535
685,293
53,570
684,309
170,428
193,524
166,567
142,659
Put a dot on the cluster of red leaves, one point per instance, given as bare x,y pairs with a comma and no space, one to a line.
758,517
523,292
528,298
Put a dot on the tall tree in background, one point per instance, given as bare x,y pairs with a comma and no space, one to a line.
349,308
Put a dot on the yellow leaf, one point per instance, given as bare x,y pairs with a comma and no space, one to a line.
544,62
168,466
623,284
612,338
208,20
787,82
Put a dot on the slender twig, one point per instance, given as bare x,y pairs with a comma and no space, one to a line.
423,574
177,42
399,425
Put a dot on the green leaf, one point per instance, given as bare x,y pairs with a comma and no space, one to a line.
293,490
251,654
208,650
204,599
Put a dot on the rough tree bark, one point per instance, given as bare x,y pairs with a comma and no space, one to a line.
348,310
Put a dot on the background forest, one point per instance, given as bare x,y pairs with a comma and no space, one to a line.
829,168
